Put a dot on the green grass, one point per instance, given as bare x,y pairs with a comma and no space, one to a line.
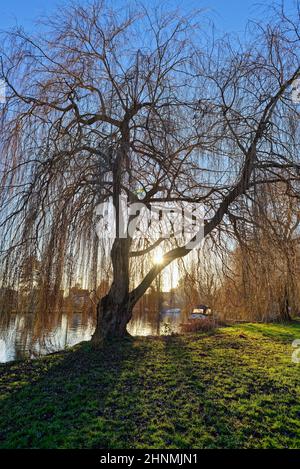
236,388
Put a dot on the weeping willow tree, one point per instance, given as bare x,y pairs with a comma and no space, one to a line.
263,275
138,104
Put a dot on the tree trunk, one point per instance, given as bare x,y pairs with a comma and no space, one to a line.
285,310
114,310
112,318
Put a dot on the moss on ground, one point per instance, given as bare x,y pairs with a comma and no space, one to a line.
236,388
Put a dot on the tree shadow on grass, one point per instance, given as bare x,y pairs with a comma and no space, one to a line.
82,398
134,393
234,396
217,390
278,332
203,420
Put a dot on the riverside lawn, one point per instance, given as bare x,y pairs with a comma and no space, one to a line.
235,388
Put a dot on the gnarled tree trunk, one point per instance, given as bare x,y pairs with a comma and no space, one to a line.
114,310
112,318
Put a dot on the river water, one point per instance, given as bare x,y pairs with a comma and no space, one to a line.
16,333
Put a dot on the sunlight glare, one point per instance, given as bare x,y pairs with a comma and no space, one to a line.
158,257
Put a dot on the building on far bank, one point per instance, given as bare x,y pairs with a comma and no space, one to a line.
78,299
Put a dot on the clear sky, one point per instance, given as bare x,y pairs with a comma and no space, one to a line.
229,15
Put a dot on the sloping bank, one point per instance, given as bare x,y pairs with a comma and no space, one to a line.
237,387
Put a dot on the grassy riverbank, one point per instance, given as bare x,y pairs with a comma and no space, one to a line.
235,388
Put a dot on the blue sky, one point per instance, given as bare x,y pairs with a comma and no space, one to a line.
229,15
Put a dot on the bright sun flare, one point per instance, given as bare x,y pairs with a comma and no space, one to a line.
158,257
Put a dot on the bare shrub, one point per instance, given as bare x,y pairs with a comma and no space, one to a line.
200,325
